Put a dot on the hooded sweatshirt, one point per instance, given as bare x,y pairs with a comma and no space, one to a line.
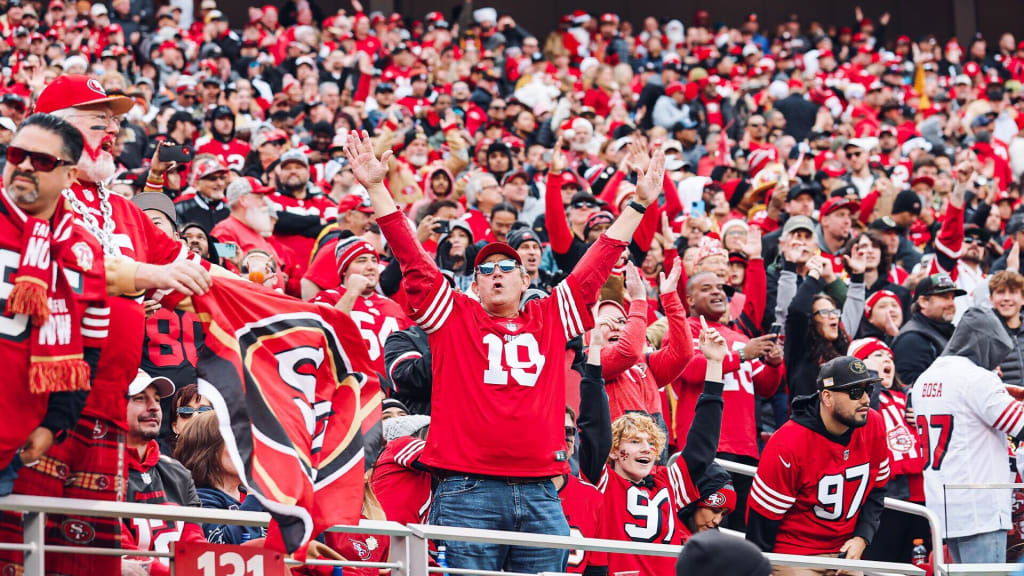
967,413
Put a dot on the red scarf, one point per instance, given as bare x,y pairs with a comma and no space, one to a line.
42,291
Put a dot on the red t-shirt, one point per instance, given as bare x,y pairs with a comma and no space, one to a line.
376,317
799,466
581,503
500,381
639,513
139,239
232,229
403,491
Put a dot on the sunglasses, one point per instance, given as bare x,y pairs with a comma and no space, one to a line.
972,240
488,268
854,154
41,161
856,393
584,204
188,412
570,431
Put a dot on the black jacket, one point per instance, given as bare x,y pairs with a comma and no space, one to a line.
197,209
801,369
407,362
918,344
800,115
763,531
594,423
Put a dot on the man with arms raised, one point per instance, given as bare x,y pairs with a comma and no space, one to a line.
493,375
89,463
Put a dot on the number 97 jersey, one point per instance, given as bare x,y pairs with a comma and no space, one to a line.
815,485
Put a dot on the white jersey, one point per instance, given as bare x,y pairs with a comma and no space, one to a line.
967,414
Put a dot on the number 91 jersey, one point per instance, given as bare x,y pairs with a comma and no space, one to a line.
816,485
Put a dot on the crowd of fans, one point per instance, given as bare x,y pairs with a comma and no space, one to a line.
730,225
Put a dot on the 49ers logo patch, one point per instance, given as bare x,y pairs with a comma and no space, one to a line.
78,531
83,256
716,500
95,86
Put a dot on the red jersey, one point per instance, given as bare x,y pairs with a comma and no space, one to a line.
232,154
497,370
171,347
376,317
136,237
415,105
403,491
82,262
645,512
815,486
312,205
742,381
360,548
581,503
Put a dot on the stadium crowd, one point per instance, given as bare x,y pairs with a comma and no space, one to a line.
584,265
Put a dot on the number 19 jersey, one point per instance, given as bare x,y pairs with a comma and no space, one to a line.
816,486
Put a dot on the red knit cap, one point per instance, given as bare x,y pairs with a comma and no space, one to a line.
876,298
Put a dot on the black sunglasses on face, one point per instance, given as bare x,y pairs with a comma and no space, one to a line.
570,431
488,268
584,204
41,161
187,412
856,393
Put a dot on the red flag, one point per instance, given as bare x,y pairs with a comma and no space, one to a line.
284,377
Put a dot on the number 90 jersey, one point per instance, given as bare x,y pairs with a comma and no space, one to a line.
816,486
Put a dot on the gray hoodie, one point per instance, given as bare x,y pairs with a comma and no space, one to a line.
981,338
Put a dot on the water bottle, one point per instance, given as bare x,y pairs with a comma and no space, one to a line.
337,571
442,557
919,556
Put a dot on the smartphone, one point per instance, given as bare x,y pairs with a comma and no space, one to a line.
180,154
441,227
777,328
697,209
226,250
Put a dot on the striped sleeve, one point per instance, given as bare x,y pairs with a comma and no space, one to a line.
437,308
410,454
684,491
569,305
1010,418
95,324
768,501
883,472
998,409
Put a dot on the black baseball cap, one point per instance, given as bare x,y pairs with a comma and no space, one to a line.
810,188
519,236
980,234
884,224
845,372
937,284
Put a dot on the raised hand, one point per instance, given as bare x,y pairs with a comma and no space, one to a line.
669,283
752,247
712,344
634,283
639,158
855,261
558,160
650,181
366,167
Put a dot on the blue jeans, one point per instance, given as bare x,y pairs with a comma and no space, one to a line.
474,502
987,548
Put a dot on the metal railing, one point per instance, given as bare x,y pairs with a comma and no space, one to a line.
938,561
409,544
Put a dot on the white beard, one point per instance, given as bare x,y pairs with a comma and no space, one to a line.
98,170
258,219
418,160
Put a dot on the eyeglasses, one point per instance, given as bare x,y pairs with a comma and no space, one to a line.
41,161
488,268
187,412
833,313
570,432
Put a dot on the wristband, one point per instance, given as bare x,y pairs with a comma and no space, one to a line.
742,358
637,206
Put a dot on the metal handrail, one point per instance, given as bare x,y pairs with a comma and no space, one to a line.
934,525
409,544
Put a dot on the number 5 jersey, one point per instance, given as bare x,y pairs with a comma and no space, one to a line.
814,491
498,395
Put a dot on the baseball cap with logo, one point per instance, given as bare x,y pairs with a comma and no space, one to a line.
798,223
207,167
838,203
496,248
294,155
937,284
71,90
355,202
845,372
164,387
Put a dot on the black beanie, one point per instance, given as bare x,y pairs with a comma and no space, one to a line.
713,552
907,201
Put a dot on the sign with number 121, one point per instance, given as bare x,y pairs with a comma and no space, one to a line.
201,559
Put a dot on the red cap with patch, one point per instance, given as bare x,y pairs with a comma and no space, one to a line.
497,248
71,90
